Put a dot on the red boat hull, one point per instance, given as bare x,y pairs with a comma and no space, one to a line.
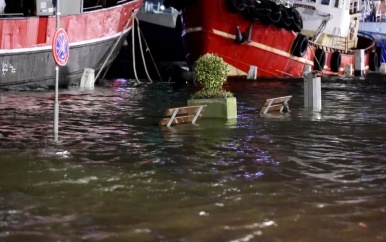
210,27
95,38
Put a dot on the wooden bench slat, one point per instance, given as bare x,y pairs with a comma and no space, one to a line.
271,108
277,100
184,110
274,104
188,114
179,119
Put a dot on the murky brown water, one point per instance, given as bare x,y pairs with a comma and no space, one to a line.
116,176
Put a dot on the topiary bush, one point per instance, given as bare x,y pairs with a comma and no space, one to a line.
211,72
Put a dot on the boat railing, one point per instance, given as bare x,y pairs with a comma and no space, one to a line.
92,8
11,15
99,6
330,49
345,51
123,1
363,34
156,8
344,43
335,34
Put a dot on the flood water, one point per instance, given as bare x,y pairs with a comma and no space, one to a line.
115,175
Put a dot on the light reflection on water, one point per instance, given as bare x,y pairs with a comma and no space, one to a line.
117,176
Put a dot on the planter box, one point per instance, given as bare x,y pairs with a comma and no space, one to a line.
225,108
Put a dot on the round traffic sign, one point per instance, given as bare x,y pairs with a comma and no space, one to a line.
60,47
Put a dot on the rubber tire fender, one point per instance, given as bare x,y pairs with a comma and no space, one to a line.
319,60
286,18
299,46
336,61
275,15
297,21
236,5
262,8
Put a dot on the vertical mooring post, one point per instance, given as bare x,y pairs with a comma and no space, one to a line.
306,70
312,92
348,70
252,73
359,63
56,105
382,68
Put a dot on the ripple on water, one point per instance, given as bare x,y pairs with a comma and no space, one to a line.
255,178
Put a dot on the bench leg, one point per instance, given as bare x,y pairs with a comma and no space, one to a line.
172,117
268,106
197,114
284,103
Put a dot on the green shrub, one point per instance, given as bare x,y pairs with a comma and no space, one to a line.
205,93
211,72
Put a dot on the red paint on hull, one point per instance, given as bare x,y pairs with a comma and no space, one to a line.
23,32
209,27
95,39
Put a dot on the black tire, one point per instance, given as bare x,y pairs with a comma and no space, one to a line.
236,5
336,61
379,53
373,61
319,60
286,18
297,21
262,8
275,15
265,20
299,46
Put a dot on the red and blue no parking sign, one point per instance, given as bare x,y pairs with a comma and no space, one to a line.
60,47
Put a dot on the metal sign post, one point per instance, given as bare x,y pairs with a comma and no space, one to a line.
60,52
56,105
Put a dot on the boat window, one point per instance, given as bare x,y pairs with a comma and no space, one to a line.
311,1
338,3
325,2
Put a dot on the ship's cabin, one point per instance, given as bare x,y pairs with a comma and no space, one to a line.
332,23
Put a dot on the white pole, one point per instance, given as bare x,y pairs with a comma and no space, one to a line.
312,92
56,105
359,62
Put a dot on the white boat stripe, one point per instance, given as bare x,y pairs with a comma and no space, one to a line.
72,44
255,44
266,48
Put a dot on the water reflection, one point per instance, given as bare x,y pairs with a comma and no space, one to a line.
117,176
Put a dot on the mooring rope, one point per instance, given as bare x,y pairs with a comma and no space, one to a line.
141,50
151,56
133,47
313,54
112,49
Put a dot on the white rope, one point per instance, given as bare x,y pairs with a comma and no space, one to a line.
141,49
151,56
133,47
112,49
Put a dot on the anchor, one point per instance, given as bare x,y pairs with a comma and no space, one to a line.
241,38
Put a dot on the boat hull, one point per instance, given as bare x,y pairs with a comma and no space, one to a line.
36,69
95,39
267,47
164,42
270,61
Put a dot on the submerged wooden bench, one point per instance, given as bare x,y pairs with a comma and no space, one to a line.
188,114
275,104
